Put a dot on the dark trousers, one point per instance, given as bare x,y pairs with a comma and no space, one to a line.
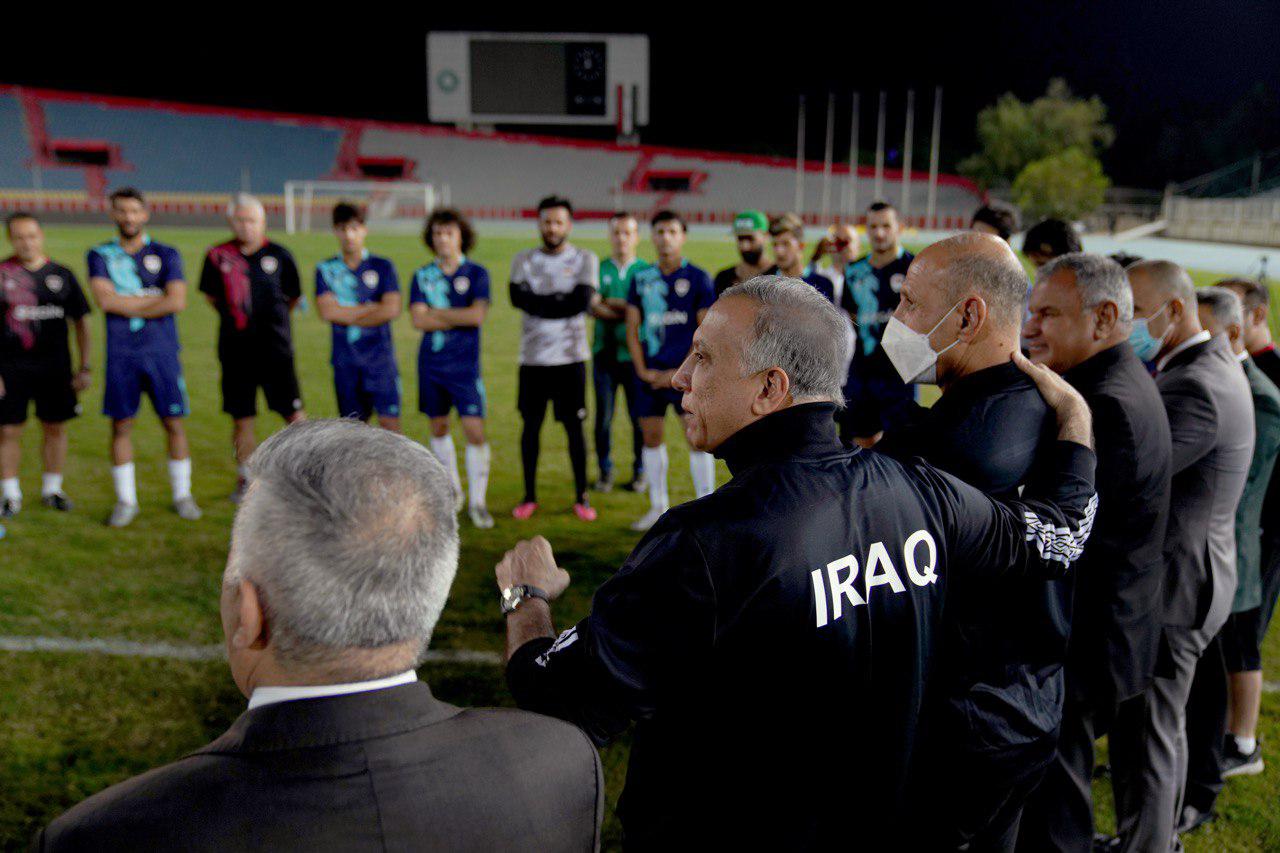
983,814
1059,815
1270,583
608,375
1206,728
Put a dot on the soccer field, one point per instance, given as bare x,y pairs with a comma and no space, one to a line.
72,723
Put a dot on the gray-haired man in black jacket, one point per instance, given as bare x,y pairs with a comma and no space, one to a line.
772,640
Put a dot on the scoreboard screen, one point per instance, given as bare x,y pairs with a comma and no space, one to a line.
538,78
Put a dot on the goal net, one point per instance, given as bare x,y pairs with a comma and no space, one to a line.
390,206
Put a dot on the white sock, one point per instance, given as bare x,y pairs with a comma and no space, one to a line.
1246,745
442,447
50,485
702,466
180,478
477,473
126,491
242,471
11,489
655,471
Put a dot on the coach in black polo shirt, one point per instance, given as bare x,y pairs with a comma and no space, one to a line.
1081,315
772,641
37,297
253,283
994,717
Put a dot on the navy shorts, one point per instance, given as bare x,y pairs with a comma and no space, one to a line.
440,392
363,389
157,374
652,402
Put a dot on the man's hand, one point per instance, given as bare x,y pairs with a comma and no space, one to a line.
531,563
1075,421
79,382
1,389
660,379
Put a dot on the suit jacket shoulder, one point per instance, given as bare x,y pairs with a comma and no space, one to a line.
388,768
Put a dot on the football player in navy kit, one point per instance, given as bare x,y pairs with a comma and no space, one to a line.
140,286
876,398
448,302
359,294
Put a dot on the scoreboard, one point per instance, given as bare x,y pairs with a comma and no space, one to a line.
538,78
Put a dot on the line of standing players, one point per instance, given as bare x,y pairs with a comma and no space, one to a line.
644,319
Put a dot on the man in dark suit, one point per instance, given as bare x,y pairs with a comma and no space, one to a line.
995,711
341,559
1235,656
1207,399
1081,313
1243,755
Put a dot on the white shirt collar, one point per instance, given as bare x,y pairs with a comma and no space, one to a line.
269,695
1198,338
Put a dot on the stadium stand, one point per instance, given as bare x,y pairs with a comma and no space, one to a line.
66,148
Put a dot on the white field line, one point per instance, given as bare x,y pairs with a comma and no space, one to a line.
175,651
178,651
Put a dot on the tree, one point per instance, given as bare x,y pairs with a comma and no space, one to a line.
1067,185
1014,133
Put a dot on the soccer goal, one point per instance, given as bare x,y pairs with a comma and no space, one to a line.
390,206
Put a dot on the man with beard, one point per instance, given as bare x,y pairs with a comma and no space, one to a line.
138,284
751,230
554,286
875,396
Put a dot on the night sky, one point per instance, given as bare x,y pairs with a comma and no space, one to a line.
1188,86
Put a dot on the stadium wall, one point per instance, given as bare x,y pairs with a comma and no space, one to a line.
60,152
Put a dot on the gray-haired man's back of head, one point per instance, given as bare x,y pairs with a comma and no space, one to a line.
349,533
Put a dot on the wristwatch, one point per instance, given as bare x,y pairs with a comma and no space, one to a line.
513,596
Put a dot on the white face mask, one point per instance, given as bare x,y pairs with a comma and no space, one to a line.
910,351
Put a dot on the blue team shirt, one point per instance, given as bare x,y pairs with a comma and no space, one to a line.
451,351
820,283
669,306
871,295
368,282
146,273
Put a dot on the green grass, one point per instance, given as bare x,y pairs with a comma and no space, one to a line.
71,724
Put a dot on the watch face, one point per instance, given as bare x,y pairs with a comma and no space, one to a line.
511,596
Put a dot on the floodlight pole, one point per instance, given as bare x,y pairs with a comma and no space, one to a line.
799,206
879,184
932,209
906,154
826,159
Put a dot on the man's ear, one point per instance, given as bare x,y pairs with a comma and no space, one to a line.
973,316
1105,318
774,392
251,632
1177,308
1258,316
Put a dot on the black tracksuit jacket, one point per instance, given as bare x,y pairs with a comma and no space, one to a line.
772,641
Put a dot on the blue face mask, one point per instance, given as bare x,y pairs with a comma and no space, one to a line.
1145,345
